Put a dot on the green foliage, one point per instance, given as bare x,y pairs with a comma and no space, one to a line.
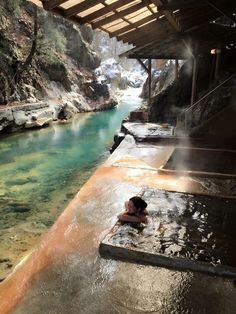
51,41
14,6
45,50
1,16
59,41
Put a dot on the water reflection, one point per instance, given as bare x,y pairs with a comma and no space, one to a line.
82,282
197,228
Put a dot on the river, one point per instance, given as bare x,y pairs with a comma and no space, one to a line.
41,170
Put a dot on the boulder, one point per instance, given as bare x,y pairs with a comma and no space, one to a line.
42,114
6,118
124,83
118,138
138,115
111,70
57,72
20,117
102,104
26,116
76,99
94,90
81,104
68,111
87,33
38,123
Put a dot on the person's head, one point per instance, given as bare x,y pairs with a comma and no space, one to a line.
136,205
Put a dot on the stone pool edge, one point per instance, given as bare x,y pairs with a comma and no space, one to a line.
109,251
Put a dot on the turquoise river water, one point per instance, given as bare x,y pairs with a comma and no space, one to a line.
42,169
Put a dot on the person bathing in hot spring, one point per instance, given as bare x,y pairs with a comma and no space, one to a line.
135,211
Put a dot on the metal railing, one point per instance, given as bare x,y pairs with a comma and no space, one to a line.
190,111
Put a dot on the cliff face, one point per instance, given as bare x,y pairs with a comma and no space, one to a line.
168,104
60,61
45,58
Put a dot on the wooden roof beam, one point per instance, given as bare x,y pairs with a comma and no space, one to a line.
107,9
183,4
156,53
136,24
195,17
51,4
120,14
146,38
139,48
221,9
201,38
143,40
80,7
154,46
156,28
191,24
157,56
60,11
170,17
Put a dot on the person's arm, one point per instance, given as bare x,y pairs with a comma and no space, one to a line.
128,218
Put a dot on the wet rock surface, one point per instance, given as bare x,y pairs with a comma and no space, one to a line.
38,180
181,227
112,72
65,274
40,114
25,116
148,130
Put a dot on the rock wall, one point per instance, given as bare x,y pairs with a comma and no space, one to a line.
163,75
111,72
167,105
220,127
23,116
61,72
36,115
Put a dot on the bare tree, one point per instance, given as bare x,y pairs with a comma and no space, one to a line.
20,69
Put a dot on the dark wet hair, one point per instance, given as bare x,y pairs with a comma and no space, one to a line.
139,203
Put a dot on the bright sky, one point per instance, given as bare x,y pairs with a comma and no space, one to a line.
38,2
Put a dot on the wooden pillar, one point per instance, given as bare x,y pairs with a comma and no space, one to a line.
148,69
194,80
176,68
217,64
149,80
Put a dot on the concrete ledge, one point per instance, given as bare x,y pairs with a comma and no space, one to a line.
184,231
109,251
201,162
203,174
148,130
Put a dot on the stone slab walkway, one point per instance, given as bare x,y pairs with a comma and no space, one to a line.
148,130
65,273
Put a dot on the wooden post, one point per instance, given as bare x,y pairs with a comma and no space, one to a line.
148,69
149,80
217,64
194,80
142,64
176,68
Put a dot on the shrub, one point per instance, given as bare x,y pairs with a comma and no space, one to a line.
59,41
14,6
51,42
